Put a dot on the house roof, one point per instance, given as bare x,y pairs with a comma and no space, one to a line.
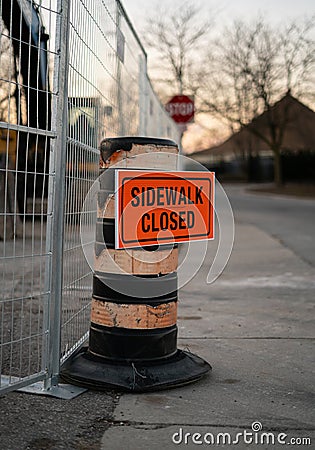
299,131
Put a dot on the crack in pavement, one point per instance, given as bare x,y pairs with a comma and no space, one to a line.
160,425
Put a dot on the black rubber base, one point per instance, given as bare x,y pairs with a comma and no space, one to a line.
87,370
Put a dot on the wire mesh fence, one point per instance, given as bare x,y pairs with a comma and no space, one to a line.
25,131
71,73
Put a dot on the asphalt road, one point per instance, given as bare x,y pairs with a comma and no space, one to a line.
290,220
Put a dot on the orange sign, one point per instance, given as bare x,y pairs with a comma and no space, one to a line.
163,207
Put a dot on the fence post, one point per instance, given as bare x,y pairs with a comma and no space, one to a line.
119,61
55,229
143,96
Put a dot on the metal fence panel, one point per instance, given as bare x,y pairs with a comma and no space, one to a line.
26,93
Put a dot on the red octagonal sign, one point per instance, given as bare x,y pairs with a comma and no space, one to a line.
181,108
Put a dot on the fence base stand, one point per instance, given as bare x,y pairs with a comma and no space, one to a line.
88,370
63,391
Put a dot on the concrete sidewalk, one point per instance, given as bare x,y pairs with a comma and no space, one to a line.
255,327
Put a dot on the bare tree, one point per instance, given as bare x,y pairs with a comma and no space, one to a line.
252,67
175,36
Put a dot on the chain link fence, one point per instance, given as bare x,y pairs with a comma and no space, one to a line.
71,73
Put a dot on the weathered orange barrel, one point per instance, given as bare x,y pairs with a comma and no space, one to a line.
133,332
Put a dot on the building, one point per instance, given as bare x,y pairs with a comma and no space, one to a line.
247,154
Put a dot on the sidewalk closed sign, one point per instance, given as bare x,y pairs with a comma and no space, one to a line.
163,207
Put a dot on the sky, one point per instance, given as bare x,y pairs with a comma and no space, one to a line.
275,10
226,11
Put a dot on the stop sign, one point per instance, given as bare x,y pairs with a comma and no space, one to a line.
181,108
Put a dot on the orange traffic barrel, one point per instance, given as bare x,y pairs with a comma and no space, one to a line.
133,331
